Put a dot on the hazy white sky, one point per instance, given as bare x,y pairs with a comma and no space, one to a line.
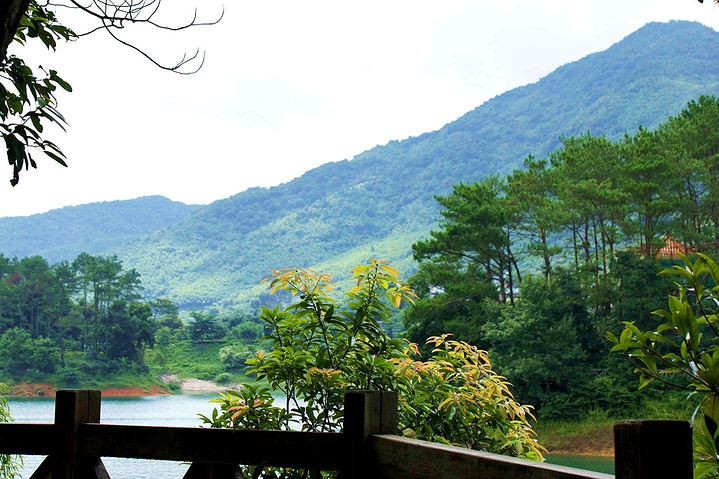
290,85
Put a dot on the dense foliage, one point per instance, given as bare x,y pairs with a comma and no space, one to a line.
86,323
319,351
591,217
50,316
683,352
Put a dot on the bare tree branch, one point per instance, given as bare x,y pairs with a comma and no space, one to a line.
176,68
115,15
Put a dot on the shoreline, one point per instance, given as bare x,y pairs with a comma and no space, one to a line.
581,452
577,438
29,390
186,386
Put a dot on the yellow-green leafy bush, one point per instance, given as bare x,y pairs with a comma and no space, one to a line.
318,351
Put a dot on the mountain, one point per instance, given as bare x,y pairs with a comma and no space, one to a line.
380,202
93,228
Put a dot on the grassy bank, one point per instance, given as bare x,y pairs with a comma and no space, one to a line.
182,359
591,437
594,435
188,359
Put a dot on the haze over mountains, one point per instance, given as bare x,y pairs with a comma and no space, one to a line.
381,201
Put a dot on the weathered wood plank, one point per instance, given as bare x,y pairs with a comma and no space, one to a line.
402,458
26,438
650,449
366,413
73,407
306,450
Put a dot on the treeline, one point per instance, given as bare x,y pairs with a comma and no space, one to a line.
89,305
80,320
593,220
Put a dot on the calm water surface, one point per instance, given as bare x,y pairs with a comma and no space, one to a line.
181,410
593,463
178,410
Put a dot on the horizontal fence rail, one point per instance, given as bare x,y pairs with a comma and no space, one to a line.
403,458
303,450
26,438
368,447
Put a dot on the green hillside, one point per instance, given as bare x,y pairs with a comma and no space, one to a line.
381,201
94,228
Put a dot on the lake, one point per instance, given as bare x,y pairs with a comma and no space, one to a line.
177,410
592,463
180,410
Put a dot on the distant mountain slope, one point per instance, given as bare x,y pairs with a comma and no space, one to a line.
381,202
93,228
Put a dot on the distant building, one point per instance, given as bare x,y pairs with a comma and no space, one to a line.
672,249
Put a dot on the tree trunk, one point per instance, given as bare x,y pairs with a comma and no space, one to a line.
602,237
502,284
516,269
576,254
585,243
11,11
596,248
545,253
62,347
509,269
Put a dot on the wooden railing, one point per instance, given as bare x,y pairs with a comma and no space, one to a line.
367,448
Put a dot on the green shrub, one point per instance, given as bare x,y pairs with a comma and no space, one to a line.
318,353
22,352
173,386
204,327
235,357
247,331
70,377
223,378
683,352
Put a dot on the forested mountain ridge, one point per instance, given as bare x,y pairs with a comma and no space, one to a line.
381,202
640,81
93,228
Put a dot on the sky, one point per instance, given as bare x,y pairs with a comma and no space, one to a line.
287,86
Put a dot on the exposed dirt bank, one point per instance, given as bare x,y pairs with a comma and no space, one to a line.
31,390
194,386
187,385
135,392
48,390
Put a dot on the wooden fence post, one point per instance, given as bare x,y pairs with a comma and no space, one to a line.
72,408
652,449
366,413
